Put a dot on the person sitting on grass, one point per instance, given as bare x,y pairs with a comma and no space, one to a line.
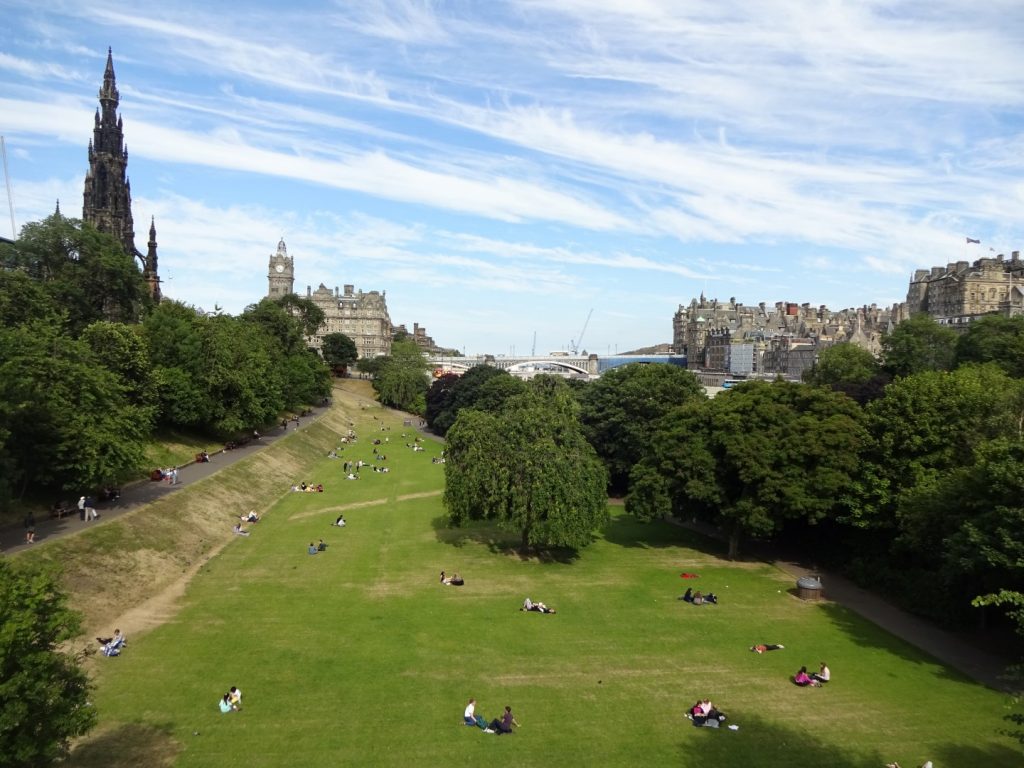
469,715
698,598
235,697
823,675
804,680
237,530
225,704
687,595
321,546
456,580
762,647
340,522
312,548
505,724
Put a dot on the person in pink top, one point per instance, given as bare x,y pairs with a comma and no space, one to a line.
802,679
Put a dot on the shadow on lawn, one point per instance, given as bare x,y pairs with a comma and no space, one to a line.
499,542
768,744
127,746
868,635
626,531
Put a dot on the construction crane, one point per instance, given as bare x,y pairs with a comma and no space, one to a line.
574,346
7,182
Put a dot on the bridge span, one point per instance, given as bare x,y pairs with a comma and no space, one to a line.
567,366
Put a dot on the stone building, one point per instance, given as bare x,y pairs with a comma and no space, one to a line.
107,199
782,339
962,290
363,317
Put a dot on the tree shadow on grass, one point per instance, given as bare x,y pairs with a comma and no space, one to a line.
767,744
127,746
498,541
987,755
866,634
624,530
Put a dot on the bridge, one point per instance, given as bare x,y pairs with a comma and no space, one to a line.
565,365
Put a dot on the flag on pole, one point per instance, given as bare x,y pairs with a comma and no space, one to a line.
972,240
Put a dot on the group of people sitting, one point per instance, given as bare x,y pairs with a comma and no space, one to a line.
499,726
308,488
697,598
453,581
529,605
321,546
231,701
111,646
704,713
815,679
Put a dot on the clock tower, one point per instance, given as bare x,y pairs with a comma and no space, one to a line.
281,274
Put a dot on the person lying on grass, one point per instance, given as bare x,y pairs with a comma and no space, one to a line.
529,605
237,530
762,647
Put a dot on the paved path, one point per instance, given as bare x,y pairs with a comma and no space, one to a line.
139,493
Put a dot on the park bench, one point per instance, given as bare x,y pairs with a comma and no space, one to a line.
61,509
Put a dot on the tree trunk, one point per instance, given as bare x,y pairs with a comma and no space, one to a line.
734,543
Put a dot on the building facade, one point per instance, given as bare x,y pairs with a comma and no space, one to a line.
107,199
962,290
363,317
783,339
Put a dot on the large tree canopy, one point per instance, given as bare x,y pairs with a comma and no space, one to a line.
85,273
752,458
451,397
619,410
338,350
401,381
849,369
918,344
994,339
43,692
529,468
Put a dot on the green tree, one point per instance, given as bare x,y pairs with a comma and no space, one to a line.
371,366
402,380
994,339
339,350
753,458
86,273
918,344
619,409
23,300
66,417
464,394
439,396
43,691
930,424
529,468
309,315
849,369
123,351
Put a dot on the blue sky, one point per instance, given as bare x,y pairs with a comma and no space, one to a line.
503,168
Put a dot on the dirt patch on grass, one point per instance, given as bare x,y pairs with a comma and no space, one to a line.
424,495
340,508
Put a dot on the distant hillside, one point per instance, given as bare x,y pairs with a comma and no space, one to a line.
657,349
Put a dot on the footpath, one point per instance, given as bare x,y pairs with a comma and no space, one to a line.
142,492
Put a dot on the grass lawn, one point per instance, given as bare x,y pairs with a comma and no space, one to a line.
358,656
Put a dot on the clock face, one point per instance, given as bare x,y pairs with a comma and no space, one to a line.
279,268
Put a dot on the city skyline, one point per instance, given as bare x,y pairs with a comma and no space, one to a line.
503,170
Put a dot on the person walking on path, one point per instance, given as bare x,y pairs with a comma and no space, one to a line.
30,528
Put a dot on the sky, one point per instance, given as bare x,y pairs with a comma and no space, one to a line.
521,176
